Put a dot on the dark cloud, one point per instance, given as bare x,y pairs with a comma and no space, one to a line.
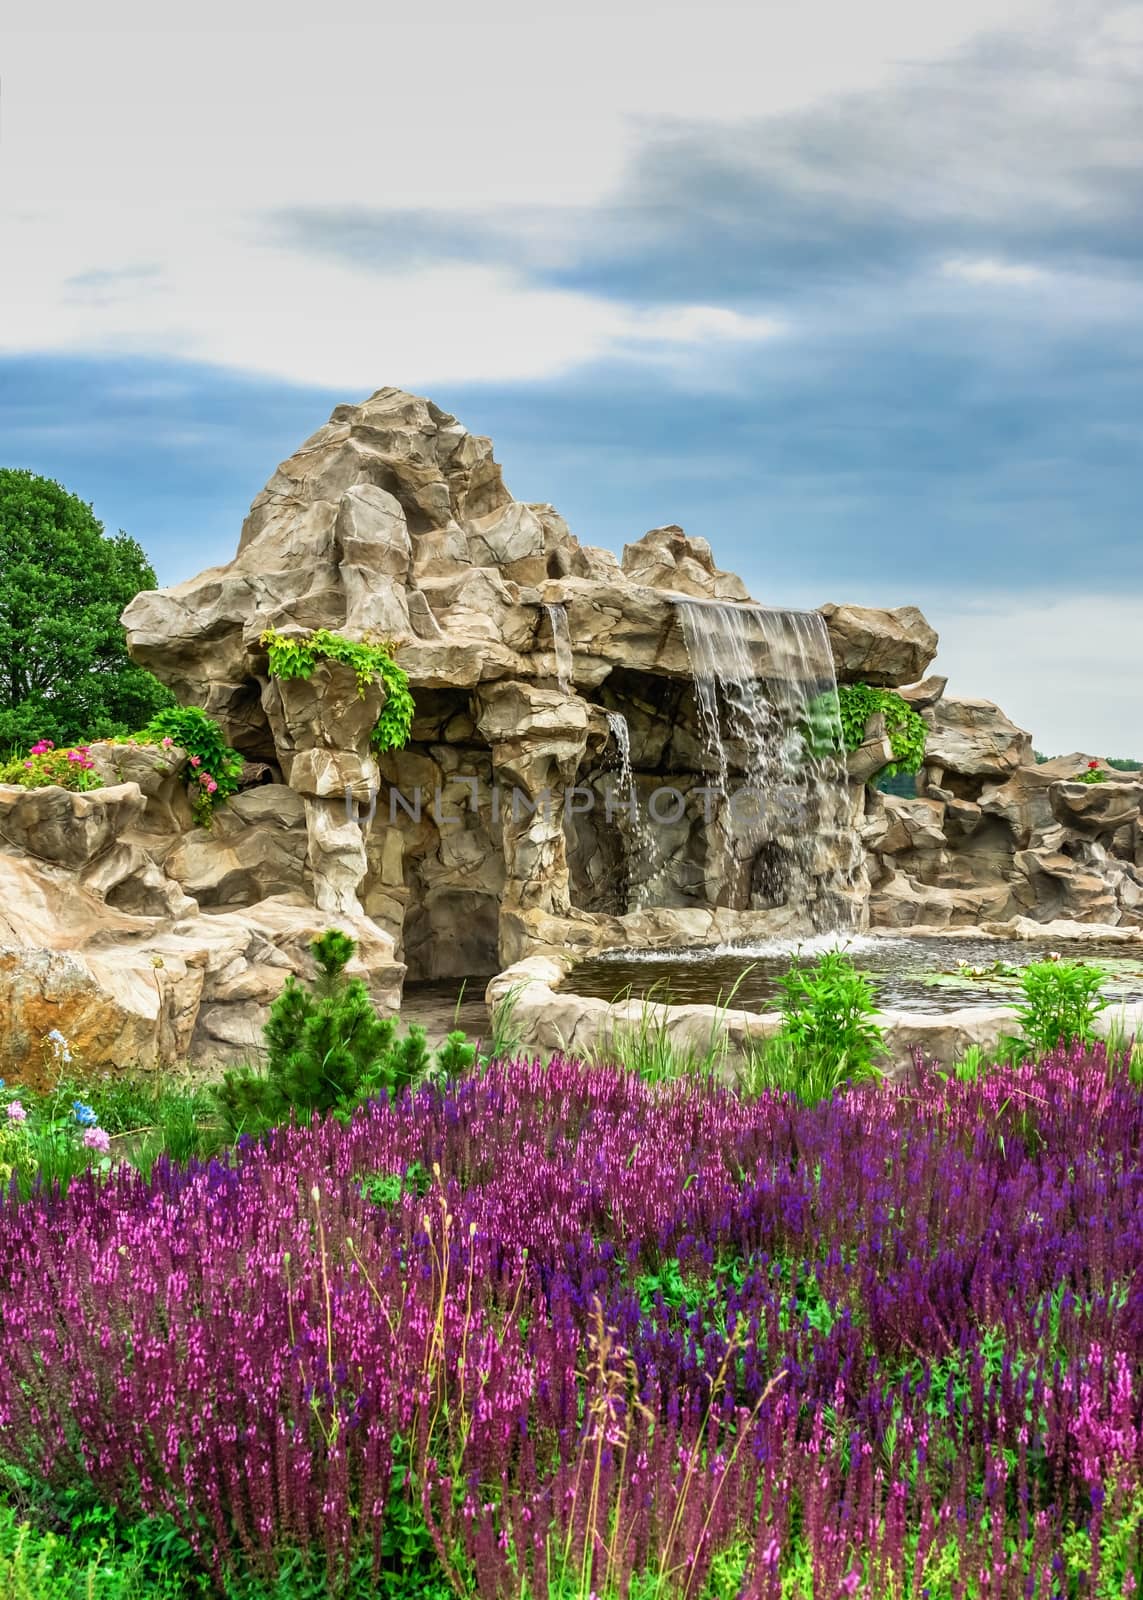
1019,146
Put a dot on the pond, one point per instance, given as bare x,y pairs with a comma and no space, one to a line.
935,975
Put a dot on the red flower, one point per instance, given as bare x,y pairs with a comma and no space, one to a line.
1091,766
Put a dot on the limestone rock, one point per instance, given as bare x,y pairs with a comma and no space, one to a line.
913,825
883,648
67,828
923,696
874,753
134,991
1095,810
255,848
158,771
667,558
973,739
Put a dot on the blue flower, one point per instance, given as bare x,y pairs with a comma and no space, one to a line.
84,1115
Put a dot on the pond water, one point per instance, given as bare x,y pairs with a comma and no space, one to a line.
935,975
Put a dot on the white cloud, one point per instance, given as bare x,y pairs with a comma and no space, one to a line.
142,155
984,269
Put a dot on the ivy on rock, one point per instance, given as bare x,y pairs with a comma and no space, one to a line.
298,655
906,729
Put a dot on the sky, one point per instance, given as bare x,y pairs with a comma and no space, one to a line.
853,291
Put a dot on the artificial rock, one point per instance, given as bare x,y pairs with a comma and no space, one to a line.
546,676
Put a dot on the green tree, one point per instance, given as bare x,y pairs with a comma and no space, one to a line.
65,673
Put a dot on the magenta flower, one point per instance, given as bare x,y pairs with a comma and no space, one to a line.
41,747
16,1112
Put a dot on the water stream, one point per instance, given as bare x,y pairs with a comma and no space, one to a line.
561,645
766,695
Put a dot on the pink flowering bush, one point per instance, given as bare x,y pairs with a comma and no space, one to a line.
44,766
213,768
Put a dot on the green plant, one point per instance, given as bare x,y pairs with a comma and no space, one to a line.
828,1035
645,1045
64,669
44,766
505,1038
1061,1002
326,1048
213,767
386,1188
298,655
906,729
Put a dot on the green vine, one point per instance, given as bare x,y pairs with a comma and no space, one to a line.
906,728
297,655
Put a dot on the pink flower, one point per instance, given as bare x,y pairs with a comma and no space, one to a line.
211,786
196,761
98,1139
167,743
75,755
16,1112
40,748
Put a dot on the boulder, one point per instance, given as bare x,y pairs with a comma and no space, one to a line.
667,558
883,648
972,739
922,696
1096,810
132,991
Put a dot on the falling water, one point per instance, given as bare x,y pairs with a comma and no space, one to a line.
642,854
561,644
621,733
767,703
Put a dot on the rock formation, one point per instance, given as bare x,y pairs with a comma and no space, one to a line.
995,836
549,680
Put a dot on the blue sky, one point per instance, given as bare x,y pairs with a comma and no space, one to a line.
855,293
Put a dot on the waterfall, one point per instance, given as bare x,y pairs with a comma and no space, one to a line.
621,733
561,645
766,696
641,841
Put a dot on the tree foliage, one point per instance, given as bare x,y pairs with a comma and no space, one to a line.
64,670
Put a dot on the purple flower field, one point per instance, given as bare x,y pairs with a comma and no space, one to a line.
606,1339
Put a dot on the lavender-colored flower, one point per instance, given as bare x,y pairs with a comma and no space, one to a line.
97,1139
16,1112
61,1049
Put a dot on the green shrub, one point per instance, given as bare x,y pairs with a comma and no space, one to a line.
297,656
828,1035
214,768
326,1048
1061,1002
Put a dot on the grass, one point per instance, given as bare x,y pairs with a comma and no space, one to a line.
645,1045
